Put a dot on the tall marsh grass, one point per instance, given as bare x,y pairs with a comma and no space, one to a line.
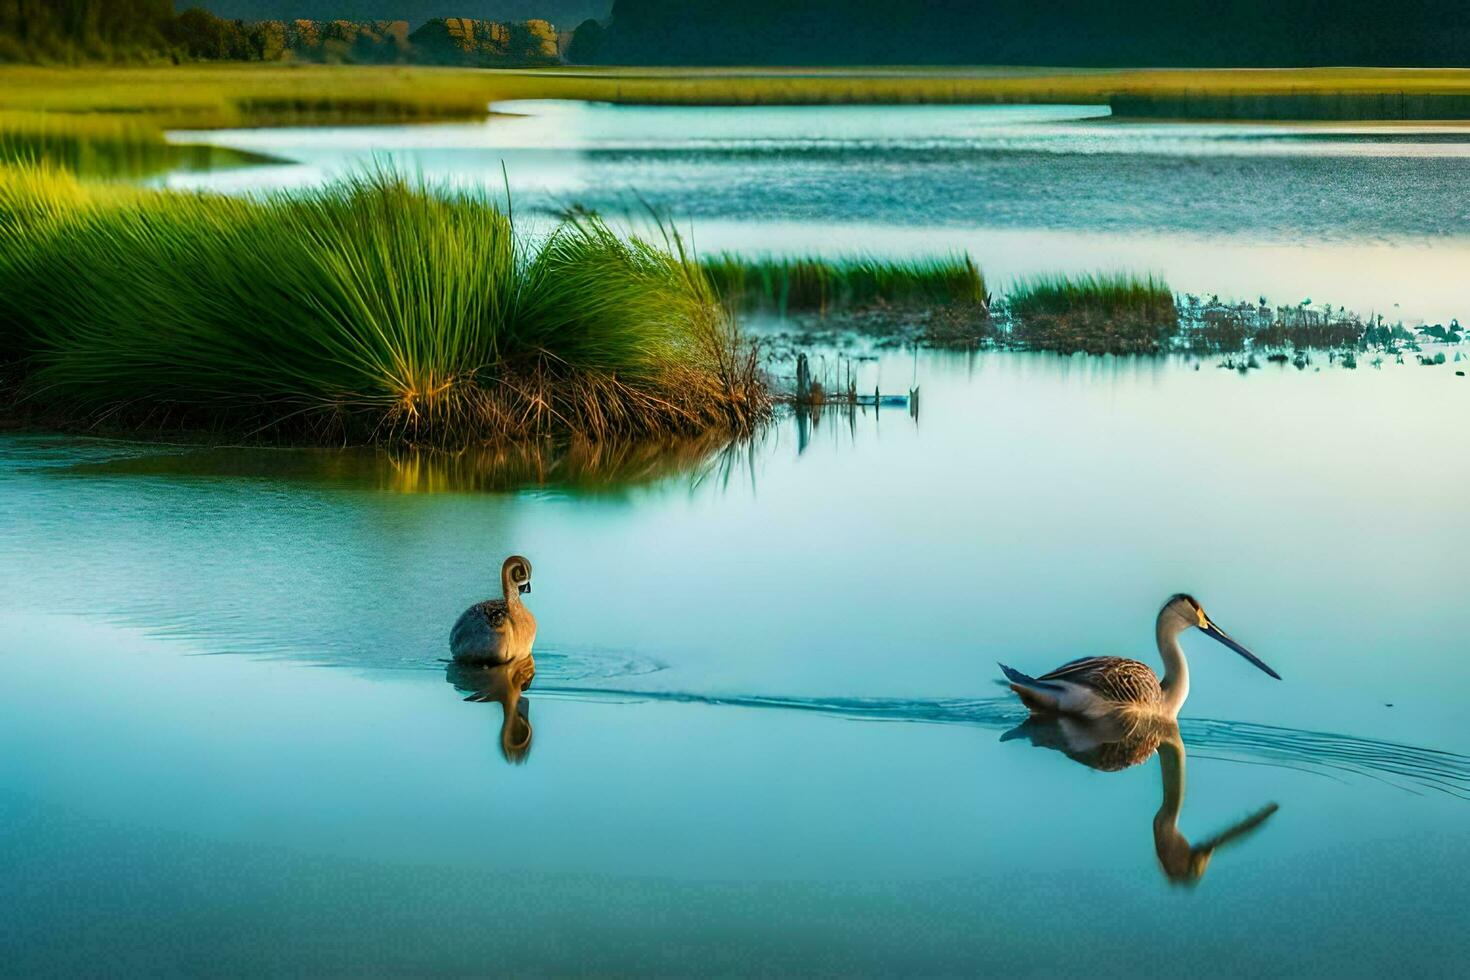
1112,294
372,309
802,283
1107,313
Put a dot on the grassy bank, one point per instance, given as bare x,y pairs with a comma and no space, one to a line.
100,145
111,122
242,95
233,95
90,117
798,283
368,310
1297,93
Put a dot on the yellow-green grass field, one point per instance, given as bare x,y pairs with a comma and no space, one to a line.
227,95
91,115
1218,93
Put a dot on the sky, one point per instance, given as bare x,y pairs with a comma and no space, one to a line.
563,13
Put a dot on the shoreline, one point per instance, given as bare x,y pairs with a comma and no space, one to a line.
222,95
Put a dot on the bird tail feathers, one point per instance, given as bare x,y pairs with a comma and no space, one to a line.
1036,695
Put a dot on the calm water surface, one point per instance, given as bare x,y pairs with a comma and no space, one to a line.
1374,218
767,733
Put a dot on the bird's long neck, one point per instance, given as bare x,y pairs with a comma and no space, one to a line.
509,589
1176,669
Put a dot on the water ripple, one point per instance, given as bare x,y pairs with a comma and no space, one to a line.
1413,769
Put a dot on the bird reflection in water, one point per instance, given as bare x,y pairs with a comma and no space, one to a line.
1120,741
504,683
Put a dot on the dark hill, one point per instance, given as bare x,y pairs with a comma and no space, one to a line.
1195,33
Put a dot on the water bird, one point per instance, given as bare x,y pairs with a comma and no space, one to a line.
497,631
1098,686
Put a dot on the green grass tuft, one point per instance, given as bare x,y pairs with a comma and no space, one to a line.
1097,313
1111,294
370,309
814,283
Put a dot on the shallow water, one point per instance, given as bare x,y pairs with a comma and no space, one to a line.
1373,218
767,732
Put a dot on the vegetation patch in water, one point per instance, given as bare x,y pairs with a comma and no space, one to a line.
1214,326
1113,314
815,283
1279,332
1107,313
367,310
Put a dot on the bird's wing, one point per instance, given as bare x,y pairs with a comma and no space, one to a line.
494,611
1116,678
1077,670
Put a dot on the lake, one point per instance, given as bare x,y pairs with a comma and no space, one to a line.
1369,217
767,728
767,733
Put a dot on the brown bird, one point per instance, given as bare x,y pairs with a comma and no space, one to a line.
1097,686
497,631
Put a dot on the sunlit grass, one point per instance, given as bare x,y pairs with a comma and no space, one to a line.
230,95
111,121
370,309
798,283
1305,93
106,145
223,95
116,115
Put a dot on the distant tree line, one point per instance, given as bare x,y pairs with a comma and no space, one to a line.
81,30
1185,33
65,30
1080,33
442,40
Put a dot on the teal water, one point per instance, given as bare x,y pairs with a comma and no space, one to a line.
767,731
1368,217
